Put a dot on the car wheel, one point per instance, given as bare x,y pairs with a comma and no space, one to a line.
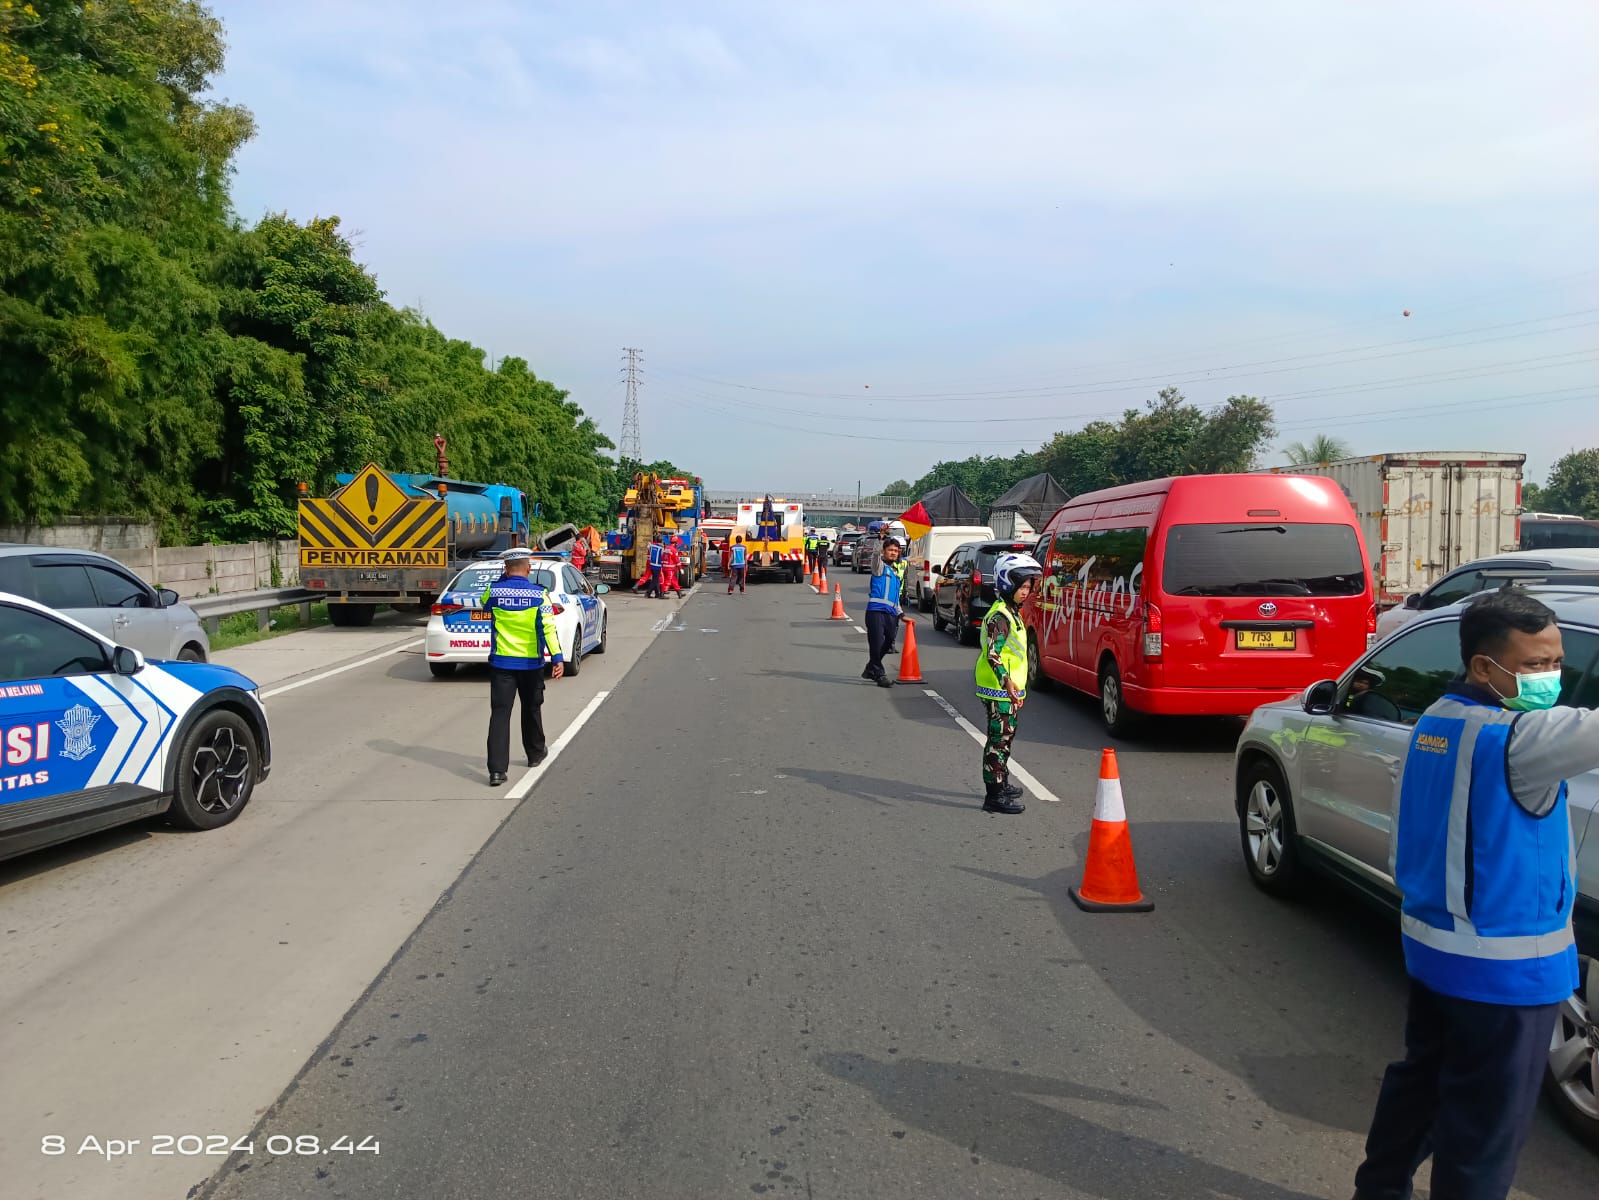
1119,719
924,603
574,657
1036,679
940,622
605,633
1266,828
191,653
351,616
964,632
441,670
1572,1078
215,771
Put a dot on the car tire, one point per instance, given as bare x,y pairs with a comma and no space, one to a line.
216,770
1037,681
351,616
940,622
965,634
605,633
1120,721
1266,829
441,670
574,657
191,653
1572,1076
924,603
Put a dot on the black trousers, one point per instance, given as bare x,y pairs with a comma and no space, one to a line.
1465,1094
504,688
879,636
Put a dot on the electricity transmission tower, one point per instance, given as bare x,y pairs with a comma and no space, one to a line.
631,446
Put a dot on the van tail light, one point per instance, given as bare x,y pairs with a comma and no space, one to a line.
440,609
1371,626
927,567
1152,631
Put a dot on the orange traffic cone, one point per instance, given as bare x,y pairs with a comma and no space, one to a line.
816,579
1110,881
838,604
910,662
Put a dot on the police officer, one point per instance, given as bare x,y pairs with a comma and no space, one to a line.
1483,856
657,564
811,542
824,551
524,627
1002,676
883,610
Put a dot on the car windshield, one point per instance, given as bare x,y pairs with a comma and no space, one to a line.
989,555
475,579
1263,560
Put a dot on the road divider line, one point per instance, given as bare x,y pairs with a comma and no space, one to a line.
1016,769
360,662
858,629
525,784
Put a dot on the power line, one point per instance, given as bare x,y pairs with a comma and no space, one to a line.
631,444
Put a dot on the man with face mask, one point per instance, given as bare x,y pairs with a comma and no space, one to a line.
1482,853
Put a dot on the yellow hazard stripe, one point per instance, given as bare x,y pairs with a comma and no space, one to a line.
323,518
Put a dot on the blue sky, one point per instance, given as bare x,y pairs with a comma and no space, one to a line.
855,238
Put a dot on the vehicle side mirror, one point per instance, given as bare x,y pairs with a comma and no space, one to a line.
1321,697
168,597
1413,601
601,588
126,661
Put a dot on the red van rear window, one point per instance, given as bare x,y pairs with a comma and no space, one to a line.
1263,560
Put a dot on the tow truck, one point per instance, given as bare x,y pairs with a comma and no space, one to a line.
654,505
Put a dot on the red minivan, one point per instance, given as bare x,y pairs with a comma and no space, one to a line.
1201,594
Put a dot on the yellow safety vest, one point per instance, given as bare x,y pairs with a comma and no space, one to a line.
1013,654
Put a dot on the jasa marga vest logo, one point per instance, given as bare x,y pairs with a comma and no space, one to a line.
78,724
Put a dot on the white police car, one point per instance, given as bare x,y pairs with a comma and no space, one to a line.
458,632
92,735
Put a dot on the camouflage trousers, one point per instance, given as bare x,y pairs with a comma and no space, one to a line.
1001,731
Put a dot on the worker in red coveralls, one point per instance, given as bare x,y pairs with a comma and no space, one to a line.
580,554
674,561
727,558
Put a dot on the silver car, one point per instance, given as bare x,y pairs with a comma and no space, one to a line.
1315,778
98,591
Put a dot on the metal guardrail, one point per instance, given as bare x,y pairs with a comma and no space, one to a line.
211,609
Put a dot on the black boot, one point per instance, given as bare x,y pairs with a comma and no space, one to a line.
1011,792
997,802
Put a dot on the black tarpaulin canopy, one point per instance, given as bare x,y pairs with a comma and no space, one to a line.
950,506
1038,498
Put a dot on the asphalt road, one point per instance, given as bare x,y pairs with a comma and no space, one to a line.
751,935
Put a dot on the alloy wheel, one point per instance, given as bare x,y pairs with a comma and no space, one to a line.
1263,819
221,771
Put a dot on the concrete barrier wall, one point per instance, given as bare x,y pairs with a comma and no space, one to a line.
188,570
108,536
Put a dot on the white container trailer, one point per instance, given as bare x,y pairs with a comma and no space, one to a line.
1426,513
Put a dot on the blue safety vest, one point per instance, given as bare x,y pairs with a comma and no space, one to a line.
1488,887
655,554
884,593
738,555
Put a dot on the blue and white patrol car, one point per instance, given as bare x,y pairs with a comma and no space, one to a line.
458,632
92,735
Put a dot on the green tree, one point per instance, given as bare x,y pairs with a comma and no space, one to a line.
1320,449
900,487
1573,486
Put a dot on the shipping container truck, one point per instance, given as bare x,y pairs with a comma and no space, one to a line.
1425,513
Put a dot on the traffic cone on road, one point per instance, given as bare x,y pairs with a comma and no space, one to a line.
838,604
1110,880
816,580
910,662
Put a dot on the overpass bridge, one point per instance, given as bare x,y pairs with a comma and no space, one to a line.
818,505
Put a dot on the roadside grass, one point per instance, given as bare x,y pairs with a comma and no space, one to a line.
242,628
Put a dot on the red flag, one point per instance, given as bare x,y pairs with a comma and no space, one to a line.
916,520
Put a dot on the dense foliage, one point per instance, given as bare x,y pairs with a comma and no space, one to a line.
1573,487
159,359
1168,437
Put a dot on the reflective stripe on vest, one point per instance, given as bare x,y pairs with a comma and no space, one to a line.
1495,928
1013,654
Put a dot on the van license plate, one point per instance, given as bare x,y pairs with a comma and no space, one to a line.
1265,639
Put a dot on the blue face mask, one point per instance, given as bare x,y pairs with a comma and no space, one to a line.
1535,691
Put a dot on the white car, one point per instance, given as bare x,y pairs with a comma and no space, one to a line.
1486,574
459,633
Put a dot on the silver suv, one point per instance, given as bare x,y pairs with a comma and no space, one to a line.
1315,779
101,593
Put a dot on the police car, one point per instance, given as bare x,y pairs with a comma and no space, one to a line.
92,735
458,632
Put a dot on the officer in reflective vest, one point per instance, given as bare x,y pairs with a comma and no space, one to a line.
524,628
657,567
883,610
1002,676
811,542
1483,855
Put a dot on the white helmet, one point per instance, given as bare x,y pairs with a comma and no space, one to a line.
1012,570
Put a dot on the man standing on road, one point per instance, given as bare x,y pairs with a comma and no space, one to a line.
1002,676
811,542
739,563
882,610
727,558
1482,855
823,552
672,562
523,628
657,566
580,554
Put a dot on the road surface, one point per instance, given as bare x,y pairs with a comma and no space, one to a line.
748,935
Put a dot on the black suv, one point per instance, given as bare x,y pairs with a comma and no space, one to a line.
964,588
844,548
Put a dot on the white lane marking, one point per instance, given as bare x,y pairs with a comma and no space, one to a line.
525,784
1016,768
858,629
360,662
